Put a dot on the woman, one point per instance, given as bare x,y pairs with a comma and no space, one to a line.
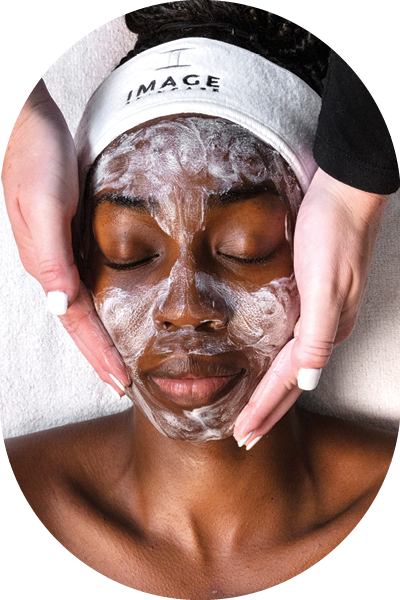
184,232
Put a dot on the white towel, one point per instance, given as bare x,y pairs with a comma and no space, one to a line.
205,76
365,565
46,382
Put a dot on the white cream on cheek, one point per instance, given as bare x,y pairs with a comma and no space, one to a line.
151,164
261,323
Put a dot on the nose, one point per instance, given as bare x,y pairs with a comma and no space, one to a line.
186,306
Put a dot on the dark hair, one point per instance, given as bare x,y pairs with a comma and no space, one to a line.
259,31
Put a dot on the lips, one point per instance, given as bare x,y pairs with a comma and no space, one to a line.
192,393
193,382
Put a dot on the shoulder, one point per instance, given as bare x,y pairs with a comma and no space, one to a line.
49,464
349,457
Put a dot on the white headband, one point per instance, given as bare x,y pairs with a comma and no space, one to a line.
208,77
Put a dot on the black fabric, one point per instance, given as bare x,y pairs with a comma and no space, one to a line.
279,40
353,143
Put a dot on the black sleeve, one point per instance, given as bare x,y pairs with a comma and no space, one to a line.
352,143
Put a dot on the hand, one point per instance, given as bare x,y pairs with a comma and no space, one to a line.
40,180
334,240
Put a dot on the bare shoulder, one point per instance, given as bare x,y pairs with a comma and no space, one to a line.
48,463
351,457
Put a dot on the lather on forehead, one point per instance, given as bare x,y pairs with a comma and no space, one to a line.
150,159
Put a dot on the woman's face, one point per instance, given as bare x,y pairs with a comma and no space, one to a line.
192,269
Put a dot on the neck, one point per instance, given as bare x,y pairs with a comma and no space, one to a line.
217,482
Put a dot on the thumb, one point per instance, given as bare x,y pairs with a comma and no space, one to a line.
56,270
314,339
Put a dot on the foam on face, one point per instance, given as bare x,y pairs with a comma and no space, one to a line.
262,322
151,163
161,154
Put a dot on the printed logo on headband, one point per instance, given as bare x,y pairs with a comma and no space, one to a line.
188,82
170,83
194,67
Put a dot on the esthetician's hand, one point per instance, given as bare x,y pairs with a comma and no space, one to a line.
334,240
40,180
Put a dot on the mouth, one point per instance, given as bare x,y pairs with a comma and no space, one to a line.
195,382
194,393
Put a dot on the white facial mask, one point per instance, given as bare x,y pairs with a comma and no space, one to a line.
262,322
152,159
154,163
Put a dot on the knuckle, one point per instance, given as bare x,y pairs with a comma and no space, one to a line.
317,353
72,326
287,383
51,270
81,321
284,381
74,322
107,351
345,331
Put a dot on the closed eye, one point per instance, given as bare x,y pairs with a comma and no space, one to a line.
248,261
132,265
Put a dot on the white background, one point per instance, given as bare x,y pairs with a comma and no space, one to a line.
32,36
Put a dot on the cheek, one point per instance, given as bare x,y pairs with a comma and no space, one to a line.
264,320
261,322
128,319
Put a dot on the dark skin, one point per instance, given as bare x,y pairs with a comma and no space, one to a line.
236,233
241,242
201,521
207,519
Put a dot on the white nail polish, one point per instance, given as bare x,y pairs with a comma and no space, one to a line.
57,302
244,440
254,442
113,391
118,383
307,379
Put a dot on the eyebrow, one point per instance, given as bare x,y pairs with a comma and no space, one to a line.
140,204
241,194
215,199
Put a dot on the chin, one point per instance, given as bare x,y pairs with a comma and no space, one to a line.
202,424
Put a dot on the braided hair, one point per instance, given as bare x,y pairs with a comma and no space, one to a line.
259,31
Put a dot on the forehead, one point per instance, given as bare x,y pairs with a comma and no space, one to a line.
203,150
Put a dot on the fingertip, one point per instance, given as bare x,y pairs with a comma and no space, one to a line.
116,365
61,286
57,302
307,379
118,383
243,426
245,439
253,442
114,392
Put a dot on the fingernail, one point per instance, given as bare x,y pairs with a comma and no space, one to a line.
118,383
113,358
113,391
254,442
307,379
244,440
57,302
